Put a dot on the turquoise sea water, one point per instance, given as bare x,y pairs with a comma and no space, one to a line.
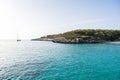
36,60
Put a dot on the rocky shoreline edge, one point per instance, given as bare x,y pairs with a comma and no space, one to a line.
77,41
83,36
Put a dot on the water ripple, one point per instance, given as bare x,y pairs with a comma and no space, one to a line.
23,71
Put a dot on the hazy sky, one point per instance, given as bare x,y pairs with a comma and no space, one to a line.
34,18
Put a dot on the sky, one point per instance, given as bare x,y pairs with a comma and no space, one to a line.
36,18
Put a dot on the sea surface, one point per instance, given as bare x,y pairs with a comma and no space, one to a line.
40,60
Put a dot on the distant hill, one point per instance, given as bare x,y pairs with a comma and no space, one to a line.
85,36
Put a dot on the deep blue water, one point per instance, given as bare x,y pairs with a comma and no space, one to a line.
36,60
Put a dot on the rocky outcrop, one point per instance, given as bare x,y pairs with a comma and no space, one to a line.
76,40
63,40
83,36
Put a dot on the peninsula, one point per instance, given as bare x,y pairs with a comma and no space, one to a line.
83,36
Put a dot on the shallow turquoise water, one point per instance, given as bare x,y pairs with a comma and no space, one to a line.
34,60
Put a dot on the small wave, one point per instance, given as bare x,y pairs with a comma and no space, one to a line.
23,71
116,42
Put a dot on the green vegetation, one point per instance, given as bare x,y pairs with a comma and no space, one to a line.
86,35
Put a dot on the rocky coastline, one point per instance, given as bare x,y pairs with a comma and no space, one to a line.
41,39
83,36
76,41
